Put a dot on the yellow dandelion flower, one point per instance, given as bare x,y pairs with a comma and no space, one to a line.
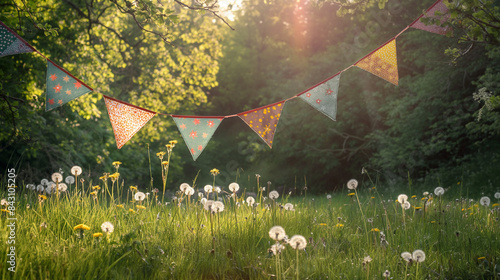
140,207
173,142
339,225
169,146
375,229
374,188
119,205
116,163
96,188
413,196
164,163
133,188
131,210
322,224
93,193
372,197
41,196
418,208
214,172
433,222
351,194
495,205
97,234
160,154
481,258
424,198
5,210
81,226
103,177
114,175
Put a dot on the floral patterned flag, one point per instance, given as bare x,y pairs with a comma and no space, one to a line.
323,97
264,120
197,131
62,87
126,119
438,11
11,43
382,62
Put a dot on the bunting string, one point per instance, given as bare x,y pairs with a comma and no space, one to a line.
127,119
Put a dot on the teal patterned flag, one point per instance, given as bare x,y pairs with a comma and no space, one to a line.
197,131
62,87
323,97
10,43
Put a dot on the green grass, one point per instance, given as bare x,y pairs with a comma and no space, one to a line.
460,238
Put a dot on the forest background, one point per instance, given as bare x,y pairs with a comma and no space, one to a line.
441,125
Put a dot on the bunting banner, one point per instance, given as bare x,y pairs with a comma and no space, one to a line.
126,119
62,87
382,62
197,131
324,97
264,120
439,12
10,42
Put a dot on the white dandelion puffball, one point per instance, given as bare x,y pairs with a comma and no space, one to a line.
276,249
218,207
485,201
4,202
139,196
402,198
57,177
44,182
208,188
328,196
62,187
352,184
203,201
69,180
31,186
426,193
217,189
39,188
184,186
406,205
274,195
288,206
367,259
277,233
298,242
418,256
497,195
250,201
208,205
406,256
200,194
386,274
189,191
107,227
439,191
234,187
76,170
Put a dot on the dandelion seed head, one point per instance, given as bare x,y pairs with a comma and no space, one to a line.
367,260
57,177
203,201
76,170
139,196
200,195
288,206
406,205
407,256
418,256
189,191
44,182
208,189
497,195
298,242
352,184
69,180
62,187
426,193
39,188
402,198
276,249
234,187
218,207
328,196
485,201
274,195
439,191
277,233
217,189
250,201
208,205
386,274
184,186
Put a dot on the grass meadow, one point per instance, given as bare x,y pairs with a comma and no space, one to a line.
111,231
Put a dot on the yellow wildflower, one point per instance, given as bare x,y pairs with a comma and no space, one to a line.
351,194
169,147
413,196
160,155
164,163
495,205
81,226
133,188
41,196
375,229
119,205
93,193
433,222
114,175
481,258
104,177
140,207
97,234
372,197
418,208
173,142
339,225
5,210
424,198
96,188
214,172
131,210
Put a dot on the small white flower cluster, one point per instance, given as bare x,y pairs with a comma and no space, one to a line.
403,200
416,256
297,242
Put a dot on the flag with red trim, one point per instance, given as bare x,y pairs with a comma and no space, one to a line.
382,62
126,119
438,12
323,97
197,131
62,87
264,121
10,43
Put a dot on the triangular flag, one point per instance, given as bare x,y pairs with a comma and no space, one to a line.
382,62
323,97
10,43
197,131
437,11
264,121
126,119
62,87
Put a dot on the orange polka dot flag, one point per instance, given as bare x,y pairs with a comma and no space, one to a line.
11,43
62,87
126,119
382,62
197,131
323,97
264,120
433,18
